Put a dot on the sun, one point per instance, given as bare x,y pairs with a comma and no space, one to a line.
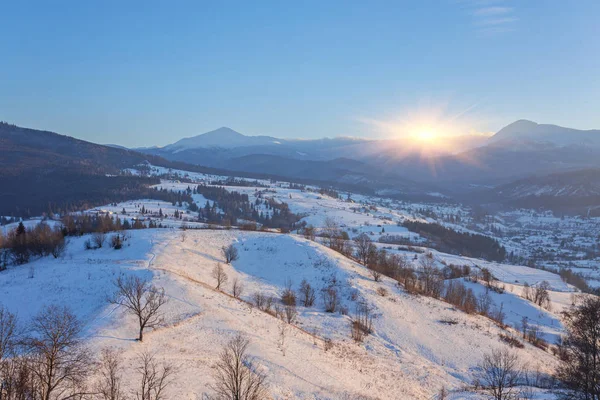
425,136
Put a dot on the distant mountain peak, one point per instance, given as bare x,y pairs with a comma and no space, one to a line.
528,131
223,137
520,127
224,130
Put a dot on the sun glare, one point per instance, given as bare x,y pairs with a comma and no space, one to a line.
425,136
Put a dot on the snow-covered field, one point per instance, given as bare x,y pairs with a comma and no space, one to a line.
412,353
418,346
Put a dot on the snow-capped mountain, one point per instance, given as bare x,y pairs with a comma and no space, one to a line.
225,138
524,130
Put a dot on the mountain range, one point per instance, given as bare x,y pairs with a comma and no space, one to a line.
523,162
519,150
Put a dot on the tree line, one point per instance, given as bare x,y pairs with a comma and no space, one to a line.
463,243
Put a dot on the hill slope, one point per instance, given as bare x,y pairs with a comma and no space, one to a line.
412,353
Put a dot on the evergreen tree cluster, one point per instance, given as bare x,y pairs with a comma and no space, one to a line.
77,225
230,206
464,243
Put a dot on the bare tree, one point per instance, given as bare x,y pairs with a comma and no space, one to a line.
220,276
290,313
259,300
525,326
236,375
500,373
230,253
307,294
487,276
17,380
331,232
364,245
375,273
59,362
59,248
183,235
334,237
108,386
579,370
541,294
309,232
485,303
282,336
237,288
527,292
154,377
431,277
8,333
140,298
442,394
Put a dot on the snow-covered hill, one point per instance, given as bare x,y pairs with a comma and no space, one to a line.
418,346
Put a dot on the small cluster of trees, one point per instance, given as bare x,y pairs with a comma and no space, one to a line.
575,279
51,361
502,376
335,238
429,280
233,181
22,243
230,206
362,322
539,294
77,225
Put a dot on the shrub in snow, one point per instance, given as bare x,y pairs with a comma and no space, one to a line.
116,242
306,294
290,313
331,300
327,344
288,296
98,239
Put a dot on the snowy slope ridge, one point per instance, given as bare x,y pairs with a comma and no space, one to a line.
580,183
412,353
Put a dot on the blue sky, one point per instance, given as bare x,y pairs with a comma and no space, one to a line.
148,73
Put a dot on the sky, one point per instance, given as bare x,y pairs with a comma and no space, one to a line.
149,73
